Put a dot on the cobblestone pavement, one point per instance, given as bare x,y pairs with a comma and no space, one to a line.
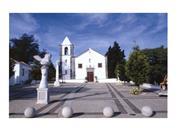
87,101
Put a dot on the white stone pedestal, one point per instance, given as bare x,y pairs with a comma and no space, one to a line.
42,91
42,96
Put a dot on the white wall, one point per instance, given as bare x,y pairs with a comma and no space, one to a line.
113,80
17,73
26,75
96,58
20,77
66,66
72,81
70,49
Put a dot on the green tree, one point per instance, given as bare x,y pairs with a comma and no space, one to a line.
51,72
119,70
36,70
24,48
157,58
115,56
137,67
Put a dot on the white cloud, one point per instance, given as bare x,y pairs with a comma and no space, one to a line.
128,18
161,24
98,43
53,36
98,18
123,21
22,23
124,29
138,30
92,18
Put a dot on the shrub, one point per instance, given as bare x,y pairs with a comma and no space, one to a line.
135,91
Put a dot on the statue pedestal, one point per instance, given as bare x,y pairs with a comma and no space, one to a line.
42,96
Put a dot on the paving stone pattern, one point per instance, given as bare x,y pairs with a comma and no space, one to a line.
87,101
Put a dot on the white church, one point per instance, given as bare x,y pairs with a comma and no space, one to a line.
89,65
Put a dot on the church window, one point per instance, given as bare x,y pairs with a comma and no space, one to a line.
65,72
79,65
89,60
66,51
66,61
100,65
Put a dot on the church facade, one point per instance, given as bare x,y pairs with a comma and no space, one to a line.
89,65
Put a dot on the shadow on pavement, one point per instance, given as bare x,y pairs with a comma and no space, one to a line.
29,93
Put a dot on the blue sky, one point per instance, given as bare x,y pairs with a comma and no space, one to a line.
92,30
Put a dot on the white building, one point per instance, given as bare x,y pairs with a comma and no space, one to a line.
21,73
89,65
67,59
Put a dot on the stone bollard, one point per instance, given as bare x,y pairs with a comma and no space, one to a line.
67,112
30,112
147,111
108,112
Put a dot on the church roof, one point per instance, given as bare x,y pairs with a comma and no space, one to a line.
20,62
89,49
66,41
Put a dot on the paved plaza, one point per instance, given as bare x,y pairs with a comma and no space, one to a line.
87,101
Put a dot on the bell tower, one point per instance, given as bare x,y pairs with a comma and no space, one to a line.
66,59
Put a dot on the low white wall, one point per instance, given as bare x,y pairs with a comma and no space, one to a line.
108,81
72,81
149,86
83,81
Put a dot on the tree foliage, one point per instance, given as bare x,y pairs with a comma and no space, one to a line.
137,67
119,71
36,70
157,59
23,49
115,56
51,72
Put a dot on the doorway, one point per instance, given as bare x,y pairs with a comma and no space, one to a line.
90,76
